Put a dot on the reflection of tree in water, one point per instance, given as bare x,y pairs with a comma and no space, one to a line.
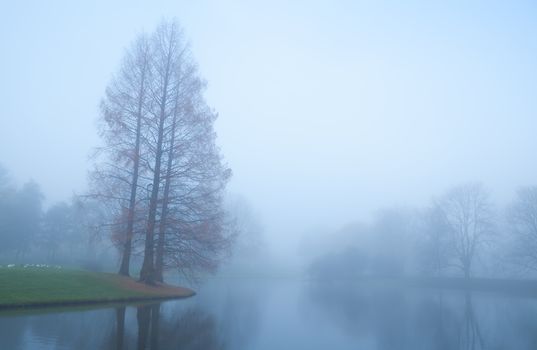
397,318
221,318
120,327
450,325
143,315
240,315
470,337
367,313
194,329
191,330
167,326
438,322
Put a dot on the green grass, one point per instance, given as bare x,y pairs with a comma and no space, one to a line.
42,285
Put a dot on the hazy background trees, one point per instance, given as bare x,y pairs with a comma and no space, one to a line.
455,235
249,254
435,246
522,218
383,248
458,234
66,233
58,230
20,216
467,216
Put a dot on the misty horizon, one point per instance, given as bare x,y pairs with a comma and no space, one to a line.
238,175
342,110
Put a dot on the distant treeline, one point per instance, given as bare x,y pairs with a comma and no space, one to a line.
65,233
460,233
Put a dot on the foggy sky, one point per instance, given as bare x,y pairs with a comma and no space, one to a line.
328,110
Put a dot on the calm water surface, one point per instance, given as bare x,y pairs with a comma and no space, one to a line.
283,314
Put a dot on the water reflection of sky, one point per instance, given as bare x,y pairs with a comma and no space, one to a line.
289,315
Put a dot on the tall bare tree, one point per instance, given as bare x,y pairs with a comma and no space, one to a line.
168,44
123,111
194,180
163,172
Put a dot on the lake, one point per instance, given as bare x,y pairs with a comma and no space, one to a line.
288,314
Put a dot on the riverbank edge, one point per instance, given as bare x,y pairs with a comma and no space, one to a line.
48,288
525,287
93,302
504,286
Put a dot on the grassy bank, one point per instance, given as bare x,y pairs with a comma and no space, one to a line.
43,286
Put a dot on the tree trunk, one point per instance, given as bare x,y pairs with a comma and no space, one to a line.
127,247
154,335
159,263
143,316
147,273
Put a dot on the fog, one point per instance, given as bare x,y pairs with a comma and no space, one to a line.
364,168
328,113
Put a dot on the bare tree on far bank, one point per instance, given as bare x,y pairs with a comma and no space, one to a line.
435,242
467,214
522,217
